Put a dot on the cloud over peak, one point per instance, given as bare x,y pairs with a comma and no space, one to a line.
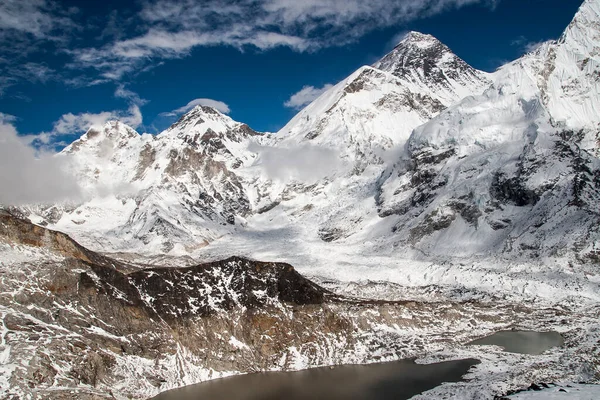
216,104
305,96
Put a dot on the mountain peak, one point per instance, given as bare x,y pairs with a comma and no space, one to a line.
421,53
422,61
200,118
200,109
114,130
204,123
418,39
584,30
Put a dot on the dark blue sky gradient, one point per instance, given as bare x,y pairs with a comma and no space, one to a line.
255,84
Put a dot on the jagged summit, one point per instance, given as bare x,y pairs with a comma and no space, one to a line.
420,53
423,60
204,123
386,101
197,113
585,25
418,39
114,131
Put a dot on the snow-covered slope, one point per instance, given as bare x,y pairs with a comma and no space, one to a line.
514,171
362,122
570,81
156,194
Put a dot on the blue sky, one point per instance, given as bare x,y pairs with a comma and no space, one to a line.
67,64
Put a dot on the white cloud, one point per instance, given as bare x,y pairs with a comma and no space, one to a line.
526,45
123,93
305,96
173,28
70,123
303,163
216,104
35,17
117,59
30,177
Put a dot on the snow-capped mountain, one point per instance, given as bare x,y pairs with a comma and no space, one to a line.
149,192
514,171
379,106
425,63
185,187
363,121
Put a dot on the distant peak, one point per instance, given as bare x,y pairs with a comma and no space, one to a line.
199,115
114,130
419,39
200,109
416,51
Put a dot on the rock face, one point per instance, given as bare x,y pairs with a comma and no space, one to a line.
204,290
512,172
425,62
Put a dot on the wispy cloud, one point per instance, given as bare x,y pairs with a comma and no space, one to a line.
133,98
129,43
77,124
173,28
41,19
33,72
305,96
216,104
7,118
525,45
26,26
